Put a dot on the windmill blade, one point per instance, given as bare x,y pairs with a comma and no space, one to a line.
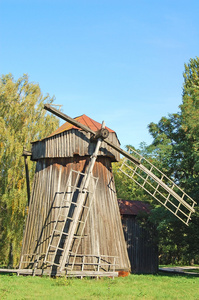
158,185
146,175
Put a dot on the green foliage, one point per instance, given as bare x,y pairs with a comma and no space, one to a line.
22,120
176,148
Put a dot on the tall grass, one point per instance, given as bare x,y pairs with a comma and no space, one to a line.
131,287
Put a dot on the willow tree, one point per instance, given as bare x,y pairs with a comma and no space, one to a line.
22,120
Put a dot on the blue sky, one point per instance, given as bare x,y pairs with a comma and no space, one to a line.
118,61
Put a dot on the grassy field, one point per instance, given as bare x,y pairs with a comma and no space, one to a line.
132,287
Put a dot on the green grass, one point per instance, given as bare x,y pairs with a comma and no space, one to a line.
132,287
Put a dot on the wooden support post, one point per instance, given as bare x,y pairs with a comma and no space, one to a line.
25,154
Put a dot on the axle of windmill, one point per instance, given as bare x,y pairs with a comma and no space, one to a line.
144,173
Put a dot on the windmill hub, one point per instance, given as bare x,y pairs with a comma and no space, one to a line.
103,133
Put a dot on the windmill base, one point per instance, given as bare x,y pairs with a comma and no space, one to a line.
40,272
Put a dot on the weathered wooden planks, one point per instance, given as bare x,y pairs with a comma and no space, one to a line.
70,143
141,245
103,232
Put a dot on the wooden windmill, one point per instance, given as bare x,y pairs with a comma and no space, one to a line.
73,226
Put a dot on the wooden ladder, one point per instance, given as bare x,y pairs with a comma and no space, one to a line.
76,199
69,225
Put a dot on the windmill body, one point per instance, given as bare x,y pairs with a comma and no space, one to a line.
73,225
98,245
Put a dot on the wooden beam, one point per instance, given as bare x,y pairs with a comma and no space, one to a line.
40,272
87,129
72,121
25,154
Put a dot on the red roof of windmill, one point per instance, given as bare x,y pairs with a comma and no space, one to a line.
83,119
133,207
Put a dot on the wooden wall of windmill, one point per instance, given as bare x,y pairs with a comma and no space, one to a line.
70,148
141,240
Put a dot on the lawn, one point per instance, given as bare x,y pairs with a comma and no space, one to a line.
132,287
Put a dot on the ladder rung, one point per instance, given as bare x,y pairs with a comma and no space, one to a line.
52,263
70,218
78,221
78,237
82,222
74,203
84,206
60,232
56,247
69,201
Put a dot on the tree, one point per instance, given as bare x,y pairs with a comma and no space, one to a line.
22,120
190,124
176,147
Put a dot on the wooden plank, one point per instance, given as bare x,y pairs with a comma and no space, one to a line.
67,118
92,273
70,273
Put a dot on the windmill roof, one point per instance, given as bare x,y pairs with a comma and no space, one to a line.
129,207
83,119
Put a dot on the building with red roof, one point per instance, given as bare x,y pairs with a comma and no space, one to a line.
141,240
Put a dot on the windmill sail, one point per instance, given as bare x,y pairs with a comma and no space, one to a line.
158,185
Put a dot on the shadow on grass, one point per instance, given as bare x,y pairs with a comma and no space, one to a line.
179,274
7,274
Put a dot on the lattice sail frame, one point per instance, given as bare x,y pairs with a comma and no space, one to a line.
159,186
